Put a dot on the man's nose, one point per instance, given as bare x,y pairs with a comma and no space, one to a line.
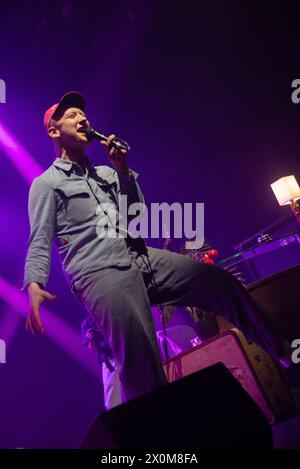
84,122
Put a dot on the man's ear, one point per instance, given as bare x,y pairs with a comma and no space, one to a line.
53,132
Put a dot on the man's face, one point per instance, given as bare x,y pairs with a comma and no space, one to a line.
69,127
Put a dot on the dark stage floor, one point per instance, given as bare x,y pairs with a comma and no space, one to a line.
286,434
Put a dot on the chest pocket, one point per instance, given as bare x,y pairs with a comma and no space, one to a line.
78,204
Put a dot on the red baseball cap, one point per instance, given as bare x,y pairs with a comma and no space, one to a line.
70,99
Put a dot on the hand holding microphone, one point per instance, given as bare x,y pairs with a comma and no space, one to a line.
116,149
117,143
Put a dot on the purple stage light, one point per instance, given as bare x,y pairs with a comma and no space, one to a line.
20,157
64,335
9,325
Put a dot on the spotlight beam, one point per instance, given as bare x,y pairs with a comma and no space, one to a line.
64,335
20,158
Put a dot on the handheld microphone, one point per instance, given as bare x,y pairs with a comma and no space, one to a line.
117,142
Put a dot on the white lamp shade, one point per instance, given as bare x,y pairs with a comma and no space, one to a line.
286,190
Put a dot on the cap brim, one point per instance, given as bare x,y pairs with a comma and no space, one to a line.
71,99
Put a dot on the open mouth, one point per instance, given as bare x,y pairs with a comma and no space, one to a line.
81,130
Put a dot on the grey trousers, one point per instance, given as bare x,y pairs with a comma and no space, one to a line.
119,301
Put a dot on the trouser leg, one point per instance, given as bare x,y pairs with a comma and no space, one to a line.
180,280
111,385
118,302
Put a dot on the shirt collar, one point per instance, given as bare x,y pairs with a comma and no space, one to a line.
67,165
106,176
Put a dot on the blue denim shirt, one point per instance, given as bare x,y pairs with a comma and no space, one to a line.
66,205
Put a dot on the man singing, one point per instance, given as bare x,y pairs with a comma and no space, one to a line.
118,279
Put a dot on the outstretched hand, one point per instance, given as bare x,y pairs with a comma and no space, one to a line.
36,297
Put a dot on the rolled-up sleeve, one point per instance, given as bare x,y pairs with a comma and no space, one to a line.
42,217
